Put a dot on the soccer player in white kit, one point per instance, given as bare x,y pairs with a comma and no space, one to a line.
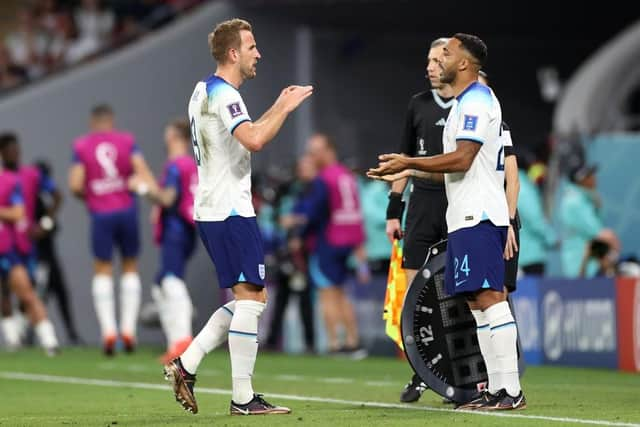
477,215
223,137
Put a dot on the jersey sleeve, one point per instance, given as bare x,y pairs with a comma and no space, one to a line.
172,179
16,195
408,133
505,138
474,117
133,144
231,108
75,155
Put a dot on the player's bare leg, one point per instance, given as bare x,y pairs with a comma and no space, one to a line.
350,322
411,274
329,304
21,286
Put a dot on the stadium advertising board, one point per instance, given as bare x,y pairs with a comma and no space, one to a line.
628,310
526,308
579,322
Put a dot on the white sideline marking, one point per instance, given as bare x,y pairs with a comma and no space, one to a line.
149,386
109,366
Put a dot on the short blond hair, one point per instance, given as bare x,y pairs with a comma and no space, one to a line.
182,128
226,36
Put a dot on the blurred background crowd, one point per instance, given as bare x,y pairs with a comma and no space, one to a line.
40,37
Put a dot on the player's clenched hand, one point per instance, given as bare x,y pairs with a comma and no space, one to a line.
393,229
291,97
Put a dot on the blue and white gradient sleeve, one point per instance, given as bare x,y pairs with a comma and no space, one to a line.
231,108
474,116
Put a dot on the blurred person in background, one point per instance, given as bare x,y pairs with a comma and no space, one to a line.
174,232
66,48
331,210
292,258
581,220
103,161
32,184
604,257
11,75
95,24
537,236
50,278
223,137
27,44
373,195
425,221
48,12
13,272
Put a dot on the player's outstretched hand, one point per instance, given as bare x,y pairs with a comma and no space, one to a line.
291,97
390,177
389,164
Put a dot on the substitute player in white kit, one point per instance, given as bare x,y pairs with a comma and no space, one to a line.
477,215
223,137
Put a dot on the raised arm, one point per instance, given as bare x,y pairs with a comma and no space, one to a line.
255,135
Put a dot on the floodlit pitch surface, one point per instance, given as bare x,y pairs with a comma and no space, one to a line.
81,387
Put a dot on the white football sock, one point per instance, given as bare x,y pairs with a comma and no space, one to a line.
104,304
10,332
46,334
504,335
179,305
213,334
164,314
130,293
21,323
484,341
243,347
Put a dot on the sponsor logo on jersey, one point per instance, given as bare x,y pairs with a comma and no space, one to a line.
470,122
441,122
234,109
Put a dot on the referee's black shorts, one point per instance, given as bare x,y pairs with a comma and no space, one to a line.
426,225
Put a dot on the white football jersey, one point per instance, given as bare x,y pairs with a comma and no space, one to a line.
478,194
224,165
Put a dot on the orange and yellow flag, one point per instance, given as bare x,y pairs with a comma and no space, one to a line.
394,298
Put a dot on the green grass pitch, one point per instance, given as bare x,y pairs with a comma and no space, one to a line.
83,388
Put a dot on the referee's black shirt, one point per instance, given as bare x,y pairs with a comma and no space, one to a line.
422,135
